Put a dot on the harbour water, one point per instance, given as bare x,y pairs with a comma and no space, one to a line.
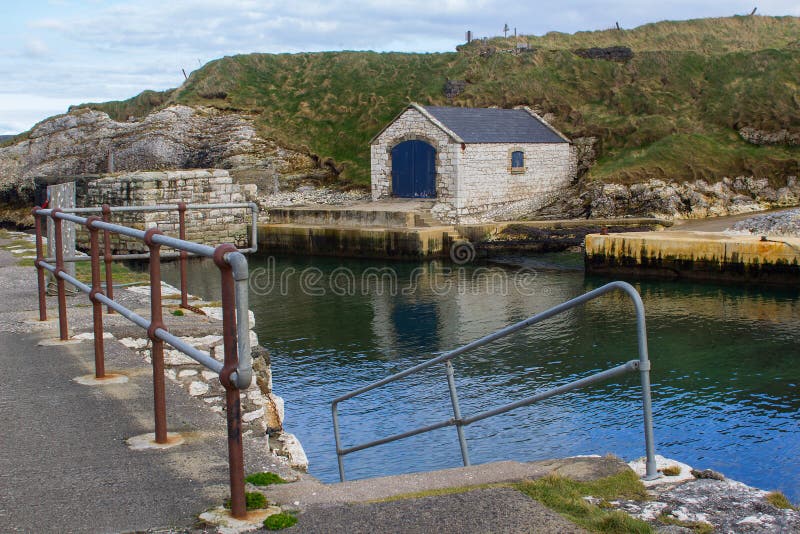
726,364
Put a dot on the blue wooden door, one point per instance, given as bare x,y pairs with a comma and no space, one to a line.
414,170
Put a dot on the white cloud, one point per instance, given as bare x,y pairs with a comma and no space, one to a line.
36,48
76,51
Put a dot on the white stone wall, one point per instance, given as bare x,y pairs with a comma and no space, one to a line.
413,125
486,180
192,187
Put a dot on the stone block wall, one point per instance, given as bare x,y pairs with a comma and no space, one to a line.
486,180
210,227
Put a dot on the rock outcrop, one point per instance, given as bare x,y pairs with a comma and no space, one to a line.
178,137
656,198
610,53
765,137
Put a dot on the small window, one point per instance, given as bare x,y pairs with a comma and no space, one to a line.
518,161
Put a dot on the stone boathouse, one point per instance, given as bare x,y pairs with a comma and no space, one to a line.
470,161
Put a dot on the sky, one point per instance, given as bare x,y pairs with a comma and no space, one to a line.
56,53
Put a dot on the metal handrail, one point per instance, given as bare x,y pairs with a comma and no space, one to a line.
642,365
180,207
235,372
183,255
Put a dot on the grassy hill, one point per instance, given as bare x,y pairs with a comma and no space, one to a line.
672,111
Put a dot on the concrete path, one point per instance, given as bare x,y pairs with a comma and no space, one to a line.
65,466
465,500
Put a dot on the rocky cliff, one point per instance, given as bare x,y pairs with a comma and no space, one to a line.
178,137
686,200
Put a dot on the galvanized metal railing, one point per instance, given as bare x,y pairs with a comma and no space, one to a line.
181,208
235,371
642,365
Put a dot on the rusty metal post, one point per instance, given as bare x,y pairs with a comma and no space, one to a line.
39,269
107,257
62,293
156,322
184,254
97,306
232,399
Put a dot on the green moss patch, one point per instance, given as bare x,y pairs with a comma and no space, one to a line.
279,521
264,479
253,500
566,497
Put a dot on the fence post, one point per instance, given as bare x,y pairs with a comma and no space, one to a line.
97,307
232,399
184,254
39,269
107,259
62,294
156,322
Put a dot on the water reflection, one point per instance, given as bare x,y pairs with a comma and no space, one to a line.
725,367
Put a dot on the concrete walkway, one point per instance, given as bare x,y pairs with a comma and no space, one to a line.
427,502
65,466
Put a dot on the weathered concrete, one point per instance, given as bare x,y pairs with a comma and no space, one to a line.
695,255
394,243
65,466
394,504
414,234
310,491
470,512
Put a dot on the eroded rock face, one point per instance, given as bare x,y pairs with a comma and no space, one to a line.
766,137
178,137
657,198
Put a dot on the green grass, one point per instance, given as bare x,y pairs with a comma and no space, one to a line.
709,36
671,471
120,273
566,497
672,112
695,526
279,521
253,500
264,479
779,500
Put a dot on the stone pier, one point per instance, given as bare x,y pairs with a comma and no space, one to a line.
695,255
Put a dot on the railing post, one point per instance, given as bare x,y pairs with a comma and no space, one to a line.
651,471
97,307
156,322
62,293
39,269
451,382
107,259
232,399
184,254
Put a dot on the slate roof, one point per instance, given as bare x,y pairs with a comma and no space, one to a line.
489,125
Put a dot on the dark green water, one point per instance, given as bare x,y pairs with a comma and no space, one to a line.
726,365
